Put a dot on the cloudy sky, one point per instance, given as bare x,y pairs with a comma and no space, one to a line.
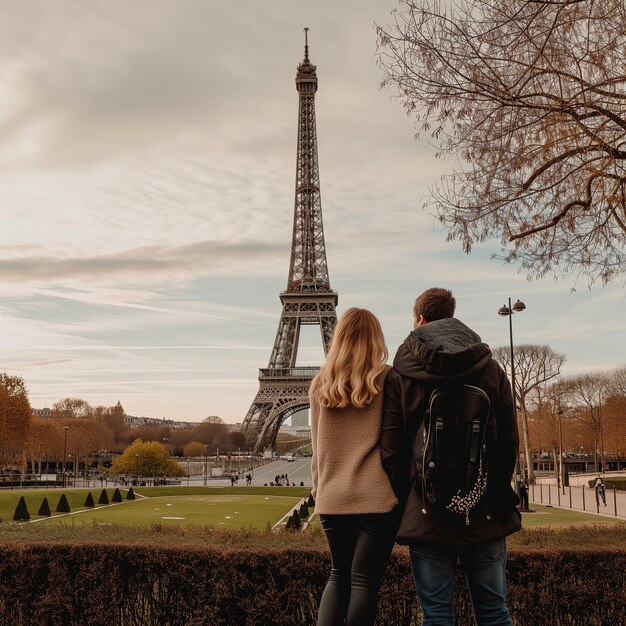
147,161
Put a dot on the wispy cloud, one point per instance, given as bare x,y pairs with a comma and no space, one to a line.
162,263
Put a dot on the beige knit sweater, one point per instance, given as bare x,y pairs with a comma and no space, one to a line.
348,476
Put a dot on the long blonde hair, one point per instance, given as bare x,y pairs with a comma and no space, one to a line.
356,356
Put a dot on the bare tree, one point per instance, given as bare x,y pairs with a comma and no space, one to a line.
546,421
617,382
72,408
534,367
529,97
588,394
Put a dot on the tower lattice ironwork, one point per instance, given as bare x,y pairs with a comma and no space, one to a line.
308,299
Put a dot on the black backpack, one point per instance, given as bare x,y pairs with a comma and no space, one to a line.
451,449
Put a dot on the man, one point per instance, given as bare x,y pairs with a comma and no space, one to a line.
523,494
442,349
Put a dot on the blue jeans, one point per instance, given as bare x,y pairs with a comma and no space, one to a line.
485,569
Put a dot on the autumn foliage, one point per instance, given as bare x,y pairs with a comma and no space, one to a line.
15,419
149,458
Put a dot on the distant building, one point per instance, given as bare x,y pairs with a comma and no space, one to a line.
45,413
301,418
136,422
303,432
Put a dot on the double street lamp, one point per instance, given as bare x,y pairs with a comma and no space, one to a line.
508,311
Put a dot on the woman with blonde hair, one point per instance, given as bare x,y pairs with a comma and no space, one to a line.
353,495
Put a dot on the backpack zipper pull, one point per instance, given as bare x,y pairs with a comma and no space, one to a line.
467,518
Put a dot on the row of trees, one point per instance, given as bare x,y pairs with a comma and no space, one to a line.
75,430
585,412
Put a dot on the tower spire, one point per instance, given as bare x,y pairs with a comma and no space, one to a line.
306,44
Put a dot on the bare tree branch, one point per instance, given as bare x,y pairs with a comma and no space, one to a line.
528,96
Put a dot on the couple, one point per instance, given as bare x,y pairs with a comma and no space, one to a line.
364,418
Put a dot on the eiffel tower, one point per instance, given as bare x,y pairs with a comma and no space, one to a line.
308,299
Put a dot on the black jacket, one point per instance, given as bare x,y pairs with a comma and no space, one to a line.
435,352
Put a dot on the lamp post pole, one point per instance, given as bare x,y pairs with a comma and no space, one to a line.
561,477
206,462
602,463
518,307
65,429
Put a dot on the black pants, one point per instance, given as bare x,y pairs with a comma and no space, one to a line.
360,546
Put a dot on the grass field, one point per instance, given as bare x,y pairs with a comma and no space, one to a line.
233,507
555,517
209,510
239,516
550,517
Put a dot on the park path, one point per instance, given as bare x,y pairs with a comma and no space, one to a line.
579,498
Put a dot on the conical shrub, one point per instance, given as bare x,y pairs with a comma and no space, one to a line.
89,501
44,509
63,506
304,511
104,498
310,502
296,521
117,496
21,511
131,494
289,523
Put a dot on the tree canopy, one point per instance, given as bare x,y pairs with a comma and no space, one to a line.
146,458
15,417
529,98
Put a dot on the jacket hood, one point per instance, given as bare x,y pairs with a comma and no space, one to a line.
444,349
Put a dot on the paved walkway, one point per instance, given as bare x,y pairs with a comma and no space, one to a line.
580,498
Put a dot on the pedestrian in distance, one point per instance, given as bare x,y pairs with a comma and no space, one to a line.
523,494
353,495
600,491
445,400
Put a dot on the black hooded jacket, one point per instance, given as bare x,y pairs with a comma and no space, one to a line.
433,353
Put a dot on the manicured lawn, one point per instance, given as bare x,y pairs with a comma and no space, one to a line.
224,511
75,498
552,516
298,492
233,507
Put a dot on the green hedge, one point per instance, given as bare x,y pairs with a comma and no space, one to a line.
108,585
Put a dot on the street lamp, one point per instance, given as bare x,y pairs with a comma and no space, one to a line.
206,460
65,429
508,311
137,469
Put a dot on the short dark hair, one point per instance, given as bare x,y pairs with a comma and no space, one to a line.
434,304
